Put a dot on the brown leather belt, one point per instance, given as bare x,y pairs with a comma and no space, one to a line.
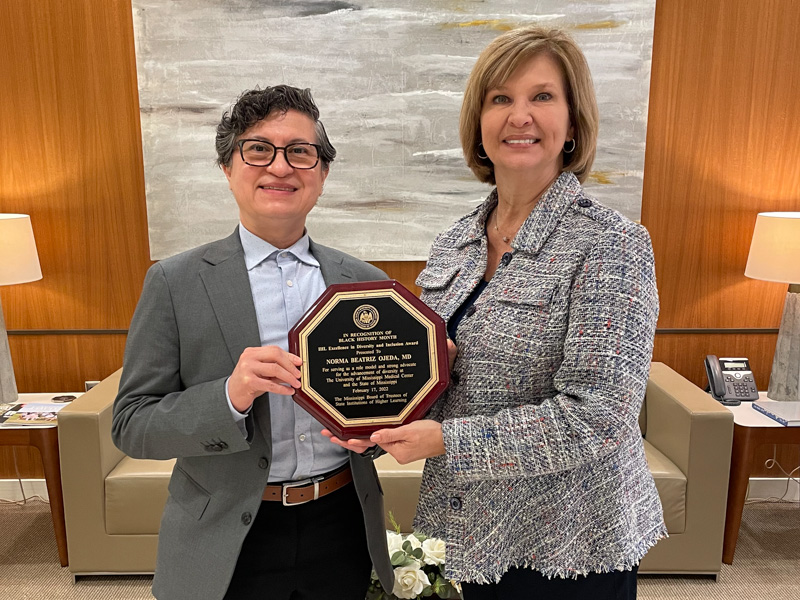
305,490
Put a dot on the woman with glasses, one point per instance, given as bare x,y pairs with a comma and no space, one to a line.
261,505
536,476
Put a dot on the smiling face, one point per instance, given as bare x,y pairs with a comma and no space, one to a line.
525,121
275,200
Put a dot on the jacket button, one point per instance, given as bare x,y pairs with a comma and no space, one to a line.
263,463
455,503
247,518
506,259
470,311
455,378
584,203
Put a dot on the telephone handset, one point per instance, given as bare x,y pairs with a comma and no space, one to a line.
730,380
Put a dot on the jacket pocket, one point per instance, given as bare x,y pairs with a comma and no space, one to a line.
188,493
520,322
433,278
435,284
520,291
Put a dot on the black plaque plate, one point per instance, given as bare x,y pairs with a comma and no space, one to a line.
374,356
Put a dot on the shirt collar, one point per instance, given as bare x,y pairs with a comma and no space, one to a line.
257,250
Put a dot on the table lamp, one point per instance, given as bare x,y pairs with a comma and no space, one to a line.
775,256
19,263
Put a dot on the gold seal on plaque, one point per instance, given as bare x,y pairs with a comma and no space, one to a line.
366,316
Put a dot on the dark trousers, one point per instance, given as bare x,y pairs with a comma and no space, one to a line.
312,551
520,584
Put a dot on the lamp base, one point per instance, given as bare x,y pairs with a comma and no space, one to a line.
784,383
8,385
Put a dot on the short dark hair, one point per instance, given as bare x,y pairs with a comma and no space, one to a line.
256,105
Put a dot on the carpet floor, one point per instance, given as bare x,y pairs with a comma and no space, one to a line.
767,564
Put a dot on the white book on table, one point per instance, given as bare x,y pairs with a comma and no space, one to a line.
785,413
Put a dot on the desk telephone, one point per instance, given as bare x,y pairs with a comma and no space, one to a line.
730,380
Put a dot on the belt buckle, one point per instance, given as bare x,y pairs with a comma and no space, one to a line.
303,482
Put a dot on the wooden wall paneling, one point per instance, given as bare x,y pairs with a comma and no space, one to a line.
70,146
403,271
66,361
685,352
723,141
71,152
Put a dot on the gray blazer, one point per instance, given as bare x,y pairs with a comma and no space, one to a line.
194,318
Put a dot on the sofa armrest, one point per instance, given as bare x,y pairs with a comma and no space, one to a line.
87,456
696,433
687,425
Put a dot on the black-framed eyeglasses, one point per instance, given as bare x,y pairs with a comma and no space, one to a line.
260,153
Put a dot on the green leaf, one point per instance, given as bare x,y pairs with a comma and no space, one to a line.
407,546
416,553
398,558
394,523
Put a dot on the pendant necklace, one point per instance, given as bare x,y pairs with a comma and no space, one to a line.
506,239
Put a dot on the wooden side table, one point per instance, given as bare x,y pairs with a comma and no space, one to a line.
751,429
45,439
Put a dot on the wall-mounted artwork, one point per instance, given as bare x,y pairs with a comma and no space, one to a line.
388,78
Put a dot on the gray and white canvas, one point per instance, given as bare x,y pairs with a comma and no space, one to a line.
389,79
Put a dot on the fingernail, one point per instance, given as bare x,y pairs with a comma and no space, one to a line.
375,438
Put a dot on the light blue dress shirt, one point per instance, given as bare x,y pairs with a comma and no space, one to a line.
285,283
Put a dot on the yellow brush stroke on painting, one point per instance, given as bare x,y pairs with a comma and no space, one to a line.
504,25
496,24
600,25
603,177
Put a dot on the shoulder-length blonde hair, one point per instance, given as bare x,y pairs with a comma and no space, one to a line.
499,61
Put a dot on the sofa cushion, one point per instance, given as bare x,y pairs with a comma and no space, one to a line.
671,486
136,492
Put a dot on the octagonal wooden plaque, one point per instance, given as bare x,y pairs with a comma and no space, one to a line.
374,356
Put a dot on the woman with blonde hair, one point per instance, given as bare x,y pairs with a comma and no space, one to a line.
536,476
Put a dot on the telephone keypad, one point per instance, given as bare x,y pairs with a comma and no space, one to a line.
740,385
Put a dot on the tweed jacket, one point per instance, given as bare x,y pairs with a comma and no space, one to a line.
544,465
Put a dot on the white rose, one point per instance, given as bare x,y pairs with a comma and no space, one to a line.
433,551
409,581
394,541
414,541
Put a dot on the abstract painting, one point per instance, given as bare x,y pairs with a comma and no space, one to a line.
388,78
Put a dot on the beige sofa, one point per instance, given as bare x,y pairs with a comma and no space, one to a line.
113,502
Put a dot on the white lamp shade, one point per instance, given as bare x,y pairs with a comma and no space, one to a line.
19,262
775,248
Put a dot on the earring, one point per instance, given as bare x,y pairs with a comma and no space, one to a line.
572,148
480,145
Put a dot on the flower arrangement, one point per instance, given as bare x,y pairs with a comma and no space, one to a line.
418,563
